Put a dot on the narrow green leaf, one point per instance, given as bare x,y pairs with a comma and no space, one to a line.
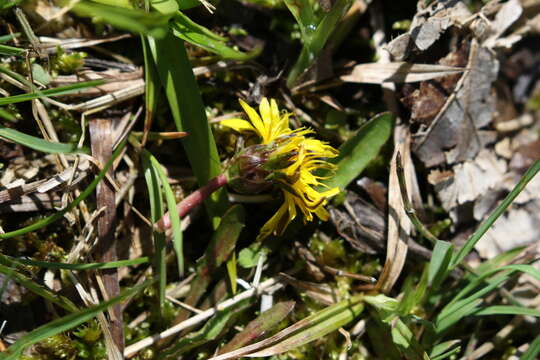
157,211
265,322
443,347
189,115
62,90
134,20
40,144
533,350
471,242
317,328
176,224
57,216
65,323
37,288
357,152
302,332
507,310
81,267
11,50
7,115
184,28
467,309
231,270
439,264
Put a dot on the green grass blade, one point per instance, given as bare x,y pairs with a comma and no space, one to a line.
188,112
65,323
57,216
471,242
315,33
357,152
533,350
152,85
37,288
186,29
38,143
507,271
445,323
11,50
157,211
507,310
82,267
440,262
134,20
176,224
62,90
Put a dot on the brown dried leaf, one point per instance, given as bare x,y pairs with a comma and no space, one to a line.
455,134
427,26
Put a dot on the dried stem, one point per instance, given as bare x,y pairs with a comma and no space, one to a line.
102,146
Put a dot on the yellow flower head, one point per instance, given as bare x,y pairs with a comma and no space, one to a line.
286,158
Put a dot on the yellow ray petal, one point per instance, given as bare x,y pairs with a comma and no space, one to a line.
254,118
238,124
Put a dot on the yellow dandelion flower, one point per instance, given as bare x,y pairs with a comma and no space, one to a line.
289,160
269,125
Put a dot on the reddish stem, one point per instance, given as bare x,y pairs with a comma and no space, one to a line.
192,200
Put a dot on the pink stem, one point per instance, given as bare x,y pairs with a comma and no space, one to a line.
192,200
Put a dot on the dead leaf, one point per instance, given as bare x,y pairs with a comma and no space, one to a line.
469,180
455,134
427,26
397,72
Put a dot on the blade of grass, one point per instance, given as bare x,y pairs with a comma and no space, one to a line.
507,310
173,214
471,242
151,89
440,261
80,267
357,152
84,194
533,350
189,115
156,212
186,29
65,323
40,144
62,90
38,289
11,50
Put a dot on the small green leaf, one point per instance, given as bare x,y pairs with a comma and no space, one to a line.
357,152
249,257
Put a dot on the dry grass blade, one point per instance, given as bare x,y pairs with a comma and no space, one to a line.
102,144
397,72
399,225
